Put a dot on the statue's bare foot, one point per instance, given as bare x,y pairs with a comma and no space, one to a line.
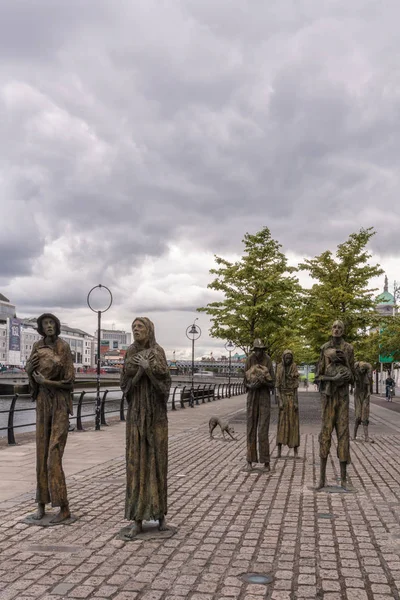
139,526
343,484
62,515
249,467
321,485
39,514
162,524
132,532
267,467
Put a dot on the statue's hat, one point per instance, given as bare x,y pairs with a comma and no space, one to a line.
258,344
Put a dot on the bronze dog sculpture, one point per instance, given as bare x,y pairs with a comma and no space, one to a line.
225,427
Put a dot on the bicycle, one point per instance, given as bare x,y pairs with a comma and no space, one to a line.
390,393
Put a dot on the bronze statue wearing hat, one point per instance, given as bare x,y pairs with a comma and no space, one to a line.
335,372
51,376
259,380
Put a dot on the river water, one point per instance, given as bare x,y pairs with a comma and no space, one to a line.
25,413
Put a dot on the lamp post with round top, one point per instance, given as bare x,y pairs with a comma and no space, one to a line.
230,347
99,299
193,332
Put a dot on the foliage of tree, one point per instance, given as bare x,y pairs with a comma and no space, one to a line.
342,291
367,348
389,338
260,296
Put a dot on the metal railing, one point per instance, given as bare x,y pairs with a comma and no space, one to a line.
84,401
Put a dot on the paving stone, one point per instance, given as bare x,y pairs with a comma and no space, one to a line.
229,523
62,589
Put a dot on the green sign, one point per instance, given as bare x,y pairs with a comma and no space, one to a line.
386,359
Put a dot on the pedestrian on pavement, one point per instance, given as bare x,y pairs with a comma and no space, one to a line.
287,382
259,380
51,374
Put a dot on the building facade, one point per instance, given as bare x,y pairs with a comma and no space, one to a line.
17,337
114,339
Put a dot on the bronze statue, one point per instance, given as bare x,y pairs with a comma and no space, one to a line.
335,372
287,382
362,392
51,376
146,381
259,380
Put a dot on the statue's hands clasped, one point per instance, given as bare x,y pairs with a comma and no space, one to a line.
32,364
38,377
143,362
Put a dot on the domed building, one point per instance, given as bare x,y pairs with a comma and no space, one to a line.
386,303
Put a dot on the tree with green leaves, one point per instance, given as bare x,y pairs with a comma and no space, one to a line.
259,297
341,290
389,337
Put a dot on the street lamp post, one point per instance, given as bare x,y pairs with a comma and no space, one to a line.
396,295
107,303
230,347
193,332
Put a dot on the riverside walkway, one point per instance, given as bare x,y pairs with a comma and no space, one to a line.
230,522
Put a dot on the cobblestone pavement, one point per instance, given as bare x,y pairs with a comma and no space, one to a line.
230,522
381,401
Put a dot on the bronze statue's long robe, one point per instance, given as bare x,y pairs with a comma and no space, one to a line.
258,411
146,435
362,393
287,382
335,413
52,409
335,401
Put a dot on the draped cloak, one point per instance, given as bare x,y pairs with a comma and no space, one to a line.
146,431
287,382
53,405
258,409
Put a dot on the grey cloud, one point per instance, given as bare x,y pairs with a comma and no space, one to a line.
130,125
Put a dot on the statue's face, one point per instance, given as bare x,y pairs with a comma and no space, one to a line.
259,352
49,327
288,359
139,332
337,330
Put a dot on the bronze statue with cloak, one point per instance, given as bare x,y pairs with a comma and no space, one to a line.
259,380
51,375
146,381
287,382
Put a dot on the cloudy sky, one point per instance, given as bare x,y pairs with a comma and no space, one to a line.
141,137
